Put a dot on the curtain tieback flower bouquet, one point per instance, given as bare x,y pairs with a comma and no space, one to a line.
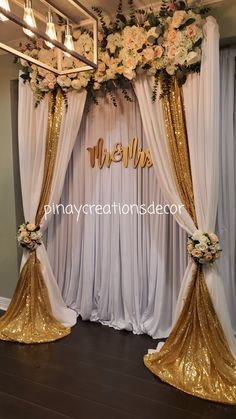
29,236
203,247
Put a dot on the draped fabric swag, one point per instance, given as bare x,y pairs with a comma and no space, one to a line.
201,345
37,312
226,222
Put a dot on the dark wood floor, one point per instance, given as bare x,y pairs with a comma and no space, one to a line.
95,373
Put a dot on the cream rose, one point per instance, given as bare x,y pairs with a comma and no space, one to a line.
171,36
171,69
213,237
181,55
31,227
24,234
178,18
190,247
64,81
196,253
148,54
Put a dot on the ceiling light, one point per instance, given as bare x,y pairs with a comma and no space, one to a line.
50,30
29,17
80,16
69,43
5,5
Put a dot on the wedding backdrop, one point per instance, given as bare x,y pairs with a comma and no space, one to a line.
119,269
130,271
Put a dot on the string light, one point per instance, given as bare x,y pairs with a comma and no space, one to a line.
29,18
5,5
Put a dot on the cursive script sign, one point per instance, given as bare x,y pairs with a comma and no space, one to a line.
119,153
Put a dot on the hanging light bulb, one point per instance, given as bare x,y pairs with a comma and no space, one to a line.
29,17
50,30
69,43
5,5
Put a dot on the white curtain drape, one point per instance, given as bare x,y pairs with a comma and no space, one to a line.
32,139
227,197
121,270
201,97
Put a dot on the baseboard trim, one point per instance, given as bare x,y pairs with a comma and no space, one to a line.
4,303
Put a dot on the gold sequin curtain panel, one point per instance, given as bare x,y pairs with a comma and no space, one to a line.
29,317
196,357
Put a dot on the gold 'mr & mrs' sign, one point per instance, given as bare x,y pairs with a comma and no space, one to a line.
119,153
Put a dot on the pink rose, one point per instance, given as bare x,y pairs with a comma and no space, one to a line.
196,253
191,31
208,257
148,54
31,227
27,240
158,52
51,85
171,52
171,6
24,234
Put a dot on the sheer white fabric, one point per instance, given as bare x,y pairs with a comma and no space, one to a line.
227,198
32,139
201,96
121,270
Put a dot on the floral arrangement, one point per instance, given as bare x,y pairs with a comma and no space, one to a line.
163,44
29,236
203,247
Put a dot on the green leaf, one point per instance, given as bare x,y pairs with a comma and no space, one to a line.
122,18
187,23
152,39
153,20
198,43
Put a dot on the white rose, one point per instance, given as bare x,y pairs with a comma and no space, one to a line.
114,41
64,81
202,247
181,55
192,58
197,235
171,69
76,84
